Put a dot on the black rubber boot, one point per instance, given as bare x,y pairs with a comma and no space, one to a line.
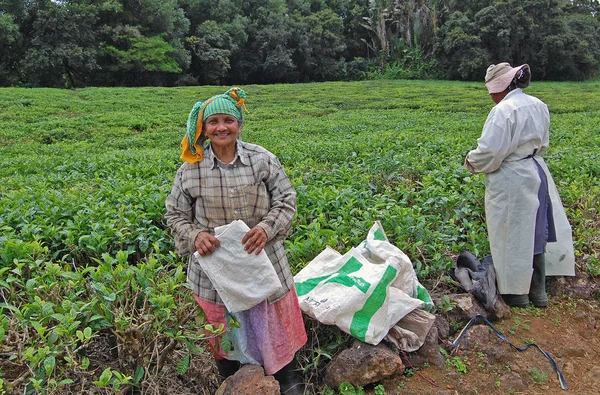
464,278
290,380
227,367
537,290
516,300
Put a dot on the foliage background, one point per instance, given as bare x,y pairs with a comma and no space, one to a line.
76,43
86,261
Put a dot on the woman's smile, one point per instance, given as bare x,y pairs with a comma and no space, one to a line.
222,130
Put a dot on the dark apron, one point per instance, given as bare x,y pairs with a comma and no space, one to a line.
545,231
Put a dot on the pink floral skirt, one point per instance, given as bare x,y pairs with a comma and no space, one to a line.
269,335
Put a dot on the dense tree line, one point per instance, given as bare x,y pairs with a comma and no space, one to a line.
180,42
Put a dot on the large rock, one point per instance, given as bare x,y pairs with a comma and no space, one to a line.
363,364
430,350
512,382
576,287
249,380
501,311
465,306
443,327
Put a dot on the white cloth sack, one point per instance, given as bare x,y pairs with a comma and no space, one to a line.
242,280
364,292
410,332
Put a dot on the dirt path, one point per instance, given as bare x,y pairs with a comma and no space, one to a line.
568,330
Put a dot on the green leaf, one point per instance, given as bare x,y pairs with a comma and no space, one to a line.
59,317
52,337
226,344
49,364
138,375
183,365
347,389
110,297
70,276
85,363
104,378
9,307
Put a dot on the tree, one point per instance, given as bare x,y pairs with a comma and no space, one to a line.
380,16
573,51
10,42
459,51
145,54
537,32
211,48
63,47
585,7
267,56
318,44
142,43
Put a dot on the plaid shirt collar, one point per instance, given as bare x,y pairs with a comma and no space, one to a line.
241,154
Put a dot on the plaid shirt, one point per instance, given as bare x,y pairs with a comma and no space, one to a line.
210,193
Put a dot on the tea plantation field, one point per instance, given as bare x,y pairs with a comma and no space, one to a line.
85,254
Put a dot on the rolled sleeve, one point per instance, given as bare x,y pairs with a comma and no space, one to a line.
180,218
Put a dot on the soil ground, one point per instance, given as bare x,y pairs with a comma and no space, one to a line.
567,330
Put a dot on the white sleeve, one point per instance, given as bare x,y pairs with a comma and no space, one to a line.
494,144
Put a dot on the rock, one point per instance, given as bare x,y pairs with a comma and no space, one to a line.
442,326
580,316
363,364
592,323
569,369
465,307
575,351
512,381
249,380
520,363
501,311
577,287
430,350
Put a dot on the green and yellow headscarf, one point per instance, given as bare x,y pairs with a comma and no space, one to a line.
231,102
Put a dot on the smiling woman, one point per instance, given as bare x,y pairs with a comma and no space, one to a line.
222,182
223,130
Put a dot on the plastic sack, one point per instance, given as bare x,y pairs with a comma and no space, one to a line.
364,292
242,280
379,252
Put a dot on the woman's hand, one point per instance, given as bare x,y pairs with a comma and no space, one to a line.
205,243
255,240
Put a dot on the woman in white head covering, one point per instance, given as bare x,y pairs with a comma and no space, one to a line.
530,236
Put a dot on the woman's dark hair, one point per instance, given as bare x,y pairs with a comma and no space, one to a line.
521,79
